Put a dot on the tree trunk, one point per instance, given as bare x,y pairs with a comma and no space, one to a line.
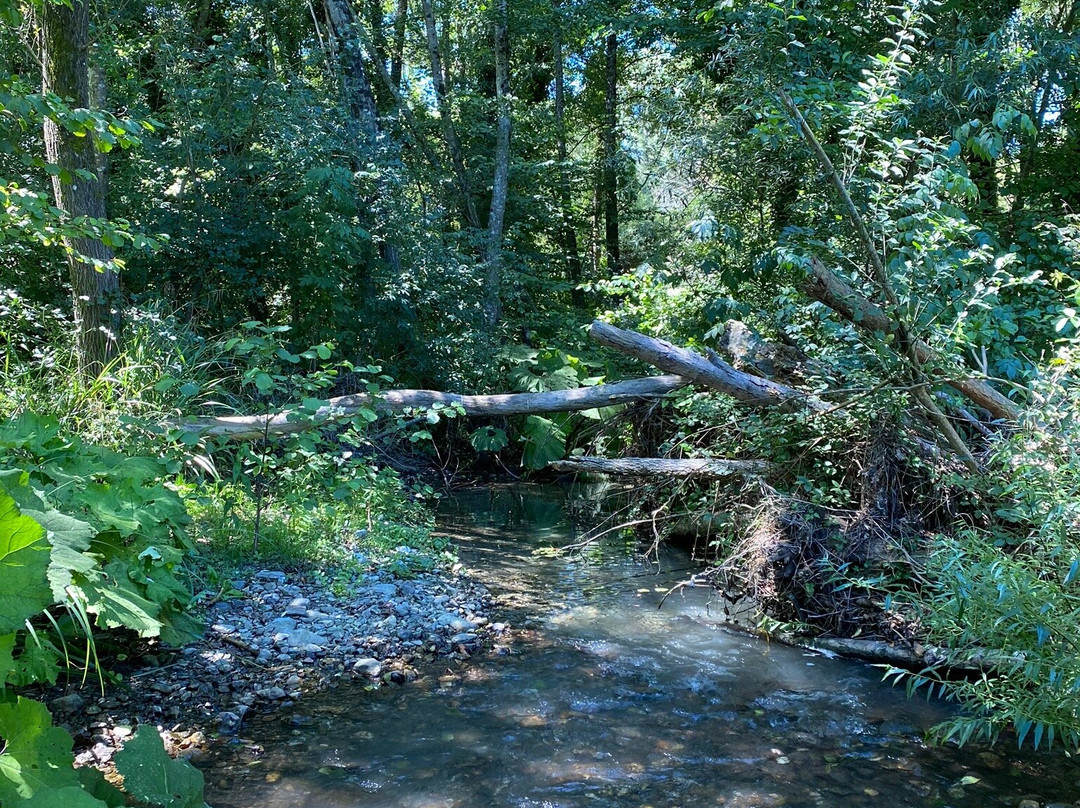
709,372
442,101
254,427
500,183
826,287
567,232
397,59
79,187
609,184
701,469
356,87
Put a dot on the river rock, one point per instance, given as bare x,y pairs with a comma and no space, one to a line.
270,575
272,693
298,607
301,638
228,723
281,625
368,666
70,703
384,591
463,639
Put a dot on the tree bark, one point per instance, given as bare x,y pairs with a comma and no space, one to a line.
827,287
397,58
501,181
567,232
609,135
79,188
708,372
254,427
356,87
442,102
703,469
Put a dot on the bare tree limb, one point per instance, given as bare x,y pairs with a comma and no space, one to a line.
706,469
715,373
254,427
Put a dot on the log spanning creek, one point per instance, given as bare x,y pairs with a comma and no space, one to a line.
607,700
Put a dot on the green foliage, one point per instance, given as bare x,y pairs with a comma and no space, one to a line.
1002,594
153,777
115,532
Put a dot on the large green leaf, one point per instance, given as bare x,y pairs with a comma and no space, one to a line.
36,754
69,797
95,784
118,603
544,441
150,775
24,565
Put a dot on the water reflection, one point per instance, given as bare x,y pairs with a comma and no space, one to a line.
611,701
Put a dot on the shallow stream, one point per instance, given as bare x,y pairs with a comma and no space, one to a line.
609,699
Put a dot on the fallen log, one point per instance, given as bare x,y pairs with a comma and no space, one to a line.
249,427
827,287
708,372
663,467
748,351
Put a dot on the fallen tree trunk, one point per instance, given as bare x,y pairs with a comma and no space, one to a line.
662,467
708,372
749,352
249,427
827,287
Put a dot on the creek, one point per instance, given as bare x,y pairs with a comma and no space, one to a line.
608,698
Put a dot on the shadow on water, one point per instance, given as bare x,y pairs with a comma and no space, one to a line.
609,700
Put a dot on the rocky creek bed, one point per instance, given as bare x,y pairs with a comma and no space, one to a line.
282,635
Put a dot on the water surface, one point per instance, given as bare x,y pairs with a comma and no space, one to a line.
609,698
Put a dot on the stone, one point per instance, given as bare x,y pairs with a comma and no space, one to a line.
302,637
385,591
298,607
368,666
70,703
463,639
272,693
270,575
282,625
455,622
228,723
1027,804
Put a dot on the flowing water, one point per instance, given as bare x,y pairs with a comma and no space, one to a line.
611,699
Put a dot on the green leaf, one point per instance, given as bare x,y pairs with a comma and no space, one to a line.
36,755
117,601
544,442
69,797
150,775
95,784
24,566
264,382
488,439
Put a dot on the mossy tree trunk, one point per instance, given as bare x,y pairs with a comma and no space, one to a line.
79,185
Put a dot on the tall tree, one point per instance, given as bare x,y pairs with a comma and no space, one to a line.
355,84
78,186
500,183
609,178
567,232
442,101
397,56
